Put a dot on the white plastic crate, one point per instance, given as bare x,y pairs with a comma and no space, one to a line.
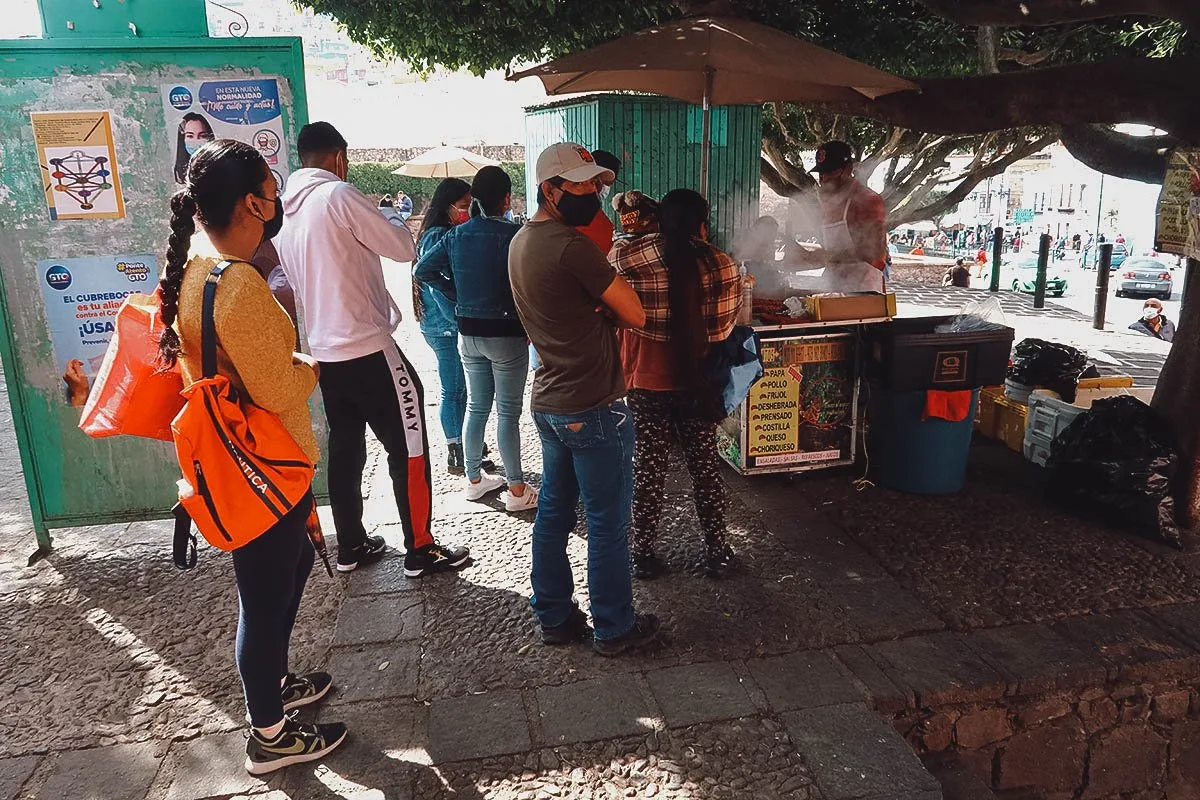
1049,416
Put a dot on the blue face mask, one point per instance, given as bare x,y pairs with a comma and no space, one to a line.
192,145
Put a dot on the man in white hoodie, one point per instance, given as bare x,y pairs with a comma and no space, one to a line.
330,247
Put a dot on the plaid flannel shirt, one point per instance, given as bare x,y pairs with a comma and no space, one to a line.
640,263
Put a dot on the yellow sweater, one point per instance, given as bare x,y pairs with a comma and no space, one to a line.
255,338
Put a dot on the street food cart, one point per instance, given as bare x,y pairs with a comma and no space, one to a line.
803,414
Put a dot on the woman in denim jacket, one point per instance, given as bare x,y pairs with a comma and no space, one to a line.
469,265
450,206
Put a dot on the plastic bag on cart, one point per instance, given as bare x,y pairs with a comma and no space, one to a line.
978,315
1118,463
732,367
1049,365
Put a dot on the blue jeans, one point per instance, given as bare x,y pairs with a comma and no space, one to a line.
495,367
453,408
588,455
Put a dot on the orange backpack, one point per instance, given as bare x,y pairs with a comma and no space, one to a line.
242,470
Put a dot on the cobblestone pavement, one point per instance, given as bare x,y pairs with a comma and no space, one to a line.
120,678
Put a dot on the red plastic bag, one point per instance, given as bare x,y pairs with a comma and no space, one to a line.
132,395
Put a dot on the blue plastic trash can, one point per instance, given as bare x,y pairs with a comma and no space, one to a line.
912,455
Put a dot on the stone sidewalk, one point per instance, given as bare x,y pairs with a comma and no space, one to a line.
860,626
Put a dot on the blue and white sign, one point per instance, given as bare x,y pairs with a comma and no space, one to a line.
246,109
82,296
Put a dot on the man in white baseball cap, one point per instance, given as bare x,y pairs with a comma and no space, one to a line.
569,300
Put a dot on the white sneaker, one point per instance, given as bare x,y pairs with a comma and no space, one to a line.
526,502
487,484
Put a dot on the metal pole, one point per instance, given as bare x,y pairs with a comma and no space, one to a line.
997,250
1103,264
706,135
1039,289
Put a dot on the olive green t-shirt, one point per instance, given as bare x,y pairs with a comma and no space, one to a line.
558,275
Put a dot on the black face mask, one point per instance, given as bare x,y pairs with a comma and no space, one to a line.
272,226
577,210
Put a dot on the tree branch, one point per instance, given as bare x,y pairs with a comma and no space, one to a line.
1012,14
908,213
1108,92
1139,158
771,177
988,40
793,176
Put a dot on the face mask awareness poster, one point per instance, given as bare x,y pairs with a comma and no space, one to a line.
245,109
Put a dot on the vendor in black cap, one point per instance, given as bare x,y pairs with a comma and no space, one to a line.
854,227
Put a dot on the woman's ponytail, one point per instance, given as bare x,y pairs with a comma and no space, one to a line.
183,225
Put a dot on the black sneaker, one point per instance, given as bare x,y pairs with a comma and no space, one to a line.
575,629
644,631
487,465
297,743
372,549
455,465
303,690
434,558
647,566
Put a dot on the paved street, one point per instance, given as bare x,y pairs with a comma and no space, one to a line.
849,611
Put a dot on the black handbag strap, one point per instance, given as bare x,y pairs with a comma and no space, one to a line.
208,324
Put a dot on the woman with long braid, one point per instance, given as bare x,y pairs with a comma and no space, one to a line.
230,190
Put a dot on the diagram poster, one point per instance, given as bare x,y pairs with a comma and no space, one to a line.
246,109
79,164
82,298
1179,206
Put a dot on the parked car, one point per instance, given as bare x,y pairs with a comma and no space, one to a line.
1147,277
1023,277
1120,253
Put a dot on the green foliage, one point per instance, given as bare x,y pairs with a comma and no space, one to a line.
901,36
375,180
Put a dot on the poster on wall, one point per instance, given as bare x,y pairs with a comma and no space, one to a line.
1178,228
82,298
79,164
246,109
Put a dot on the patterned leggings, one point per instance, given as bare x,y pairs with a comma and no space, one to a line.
658,417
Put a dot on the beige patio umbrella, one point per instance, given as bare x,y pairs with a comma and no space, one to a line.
716,61
445,162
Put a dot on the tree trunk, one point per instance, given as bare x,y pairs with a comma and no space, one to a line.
1162,92
1177,392
1138,158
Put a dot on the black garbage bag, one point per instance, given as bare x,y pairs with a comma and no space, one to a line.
1049,365
1118,464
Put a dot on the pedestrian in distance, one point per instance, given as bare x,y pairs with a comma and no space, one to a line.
331,248
451,206
691,292
958,275
389,211
469,266
230,190
570,301
1154,322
